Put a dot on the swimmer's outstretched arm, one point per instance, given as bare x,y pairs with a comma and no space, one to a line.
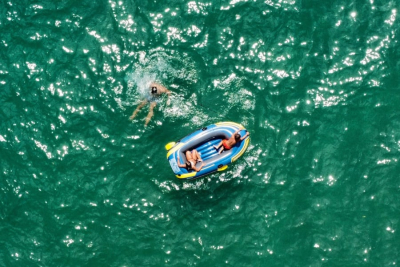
151,112
137,109
168,95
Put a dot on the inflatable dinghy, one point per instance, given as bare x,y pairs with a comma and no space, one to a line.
203,140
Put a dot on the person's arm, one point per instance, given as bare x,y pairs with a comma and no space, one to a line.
179,163
168,95
198,169
233,135
166,91
247,134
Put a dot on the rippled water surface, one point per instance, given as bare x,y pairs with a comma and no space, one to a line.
316,84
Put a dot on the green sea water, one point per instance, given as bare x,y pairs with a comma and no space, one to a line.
316,83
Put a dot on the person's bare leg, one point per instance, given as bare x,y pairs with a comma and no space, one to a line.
198,157
144,102
217,147
151,112
188,155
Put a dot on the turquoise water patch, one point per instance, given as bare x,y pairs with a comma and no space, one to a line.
316,85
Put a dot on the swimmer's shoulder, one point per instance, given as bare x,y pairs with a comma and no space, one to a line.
161,89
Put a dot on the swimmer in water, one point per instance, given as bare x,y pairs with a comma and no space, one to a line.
155,91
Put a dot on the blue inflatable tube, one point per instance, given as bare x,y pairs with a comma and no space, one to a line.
203,140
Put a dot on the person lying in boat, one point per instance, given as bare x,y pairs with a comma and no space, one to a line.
153,97
229,143
191,160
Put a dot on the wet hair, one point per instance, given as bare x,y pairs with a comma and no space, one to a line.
237,136
153,90
188,165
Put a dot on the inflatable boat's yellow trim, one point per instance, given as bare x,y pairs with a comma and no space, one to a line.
229,123
174,149
246,143
223,168
186,175
169,145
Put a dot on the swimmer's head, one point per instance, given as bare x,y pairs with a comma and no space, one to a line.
154,90
188,165
237,136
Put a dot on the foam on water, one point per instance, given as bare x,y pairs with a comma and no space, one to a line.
177,72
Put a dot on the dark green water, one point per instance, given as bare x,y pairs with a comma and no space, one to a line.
315,82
